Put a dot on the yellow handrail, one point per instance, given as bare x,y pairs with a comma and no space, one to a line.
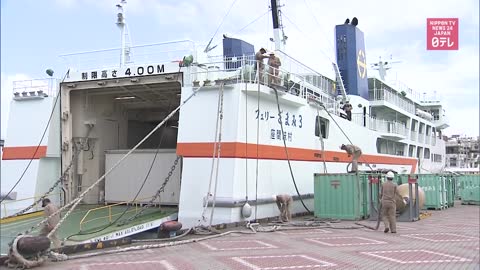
4,203
110,215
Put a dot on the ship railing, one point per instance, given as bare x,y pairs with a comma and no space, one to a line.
400,86
424,99
8,207
233,69
380,125
393,98
289,69
35,88
107,213
393,127
310,76
244,69
142,54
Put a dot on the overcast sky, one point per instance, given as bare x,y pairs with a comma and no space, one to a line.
34,33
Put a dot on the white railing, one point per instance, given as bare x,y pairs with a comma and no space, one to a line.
380,125
388,126
400,86
309,75
427,139
38,87
143,54
243,69
393,98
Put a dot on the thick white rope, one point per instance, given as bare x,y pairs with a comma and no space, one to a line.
220,113
169,244
17,260
213,165
322,142
254,227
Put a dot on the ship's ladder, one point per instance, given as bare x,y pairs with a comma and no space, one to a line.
340,85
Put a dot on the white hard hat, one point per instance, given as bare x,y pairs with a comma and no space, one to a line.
390,175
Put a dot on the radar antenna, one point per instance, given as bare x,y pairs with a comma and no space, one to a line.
383,66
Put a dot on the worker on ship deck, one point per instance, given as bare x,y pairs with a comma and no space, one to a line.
348,110
355,151
48,209
274,64
259,56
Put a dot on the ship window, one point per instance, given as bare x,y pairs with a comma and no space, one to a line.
426,154
411,149
321,127
419,151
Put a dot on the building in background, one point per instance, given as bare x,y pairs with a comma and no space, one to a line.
463,154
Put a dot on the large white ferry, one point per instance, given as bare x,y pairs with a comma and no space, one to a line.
239,137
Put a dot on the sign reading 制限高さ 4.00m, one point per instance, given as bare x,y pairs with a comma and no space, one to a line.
442,34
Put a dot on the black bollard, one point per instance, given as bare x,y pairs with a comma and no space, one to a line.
32,244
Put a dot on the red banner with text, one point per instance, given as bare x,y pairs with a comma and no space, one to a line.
442,34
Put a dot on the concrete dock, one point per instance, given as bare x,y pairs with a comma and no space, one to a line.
447,239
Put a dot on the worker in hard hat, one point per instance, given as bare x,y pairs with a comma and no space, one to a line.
389,207
259,66
355,151
274,64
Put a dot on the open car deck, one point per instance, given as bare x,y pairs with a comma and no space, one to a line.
88,223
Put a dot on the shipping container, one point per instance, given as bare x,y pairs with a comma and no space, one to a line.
443,190
471,189
341,196
451,190
433,185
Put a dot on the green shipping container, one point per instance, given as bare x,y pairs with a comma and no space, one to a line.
443,190
401,179
462,183
450,185
471,190
434,192
341,196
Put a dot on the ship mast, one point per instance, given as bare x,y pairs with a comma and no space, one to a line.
383,66
122,24
278,26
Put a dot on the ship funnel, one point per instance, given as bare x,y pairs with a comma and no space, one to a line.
351,58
